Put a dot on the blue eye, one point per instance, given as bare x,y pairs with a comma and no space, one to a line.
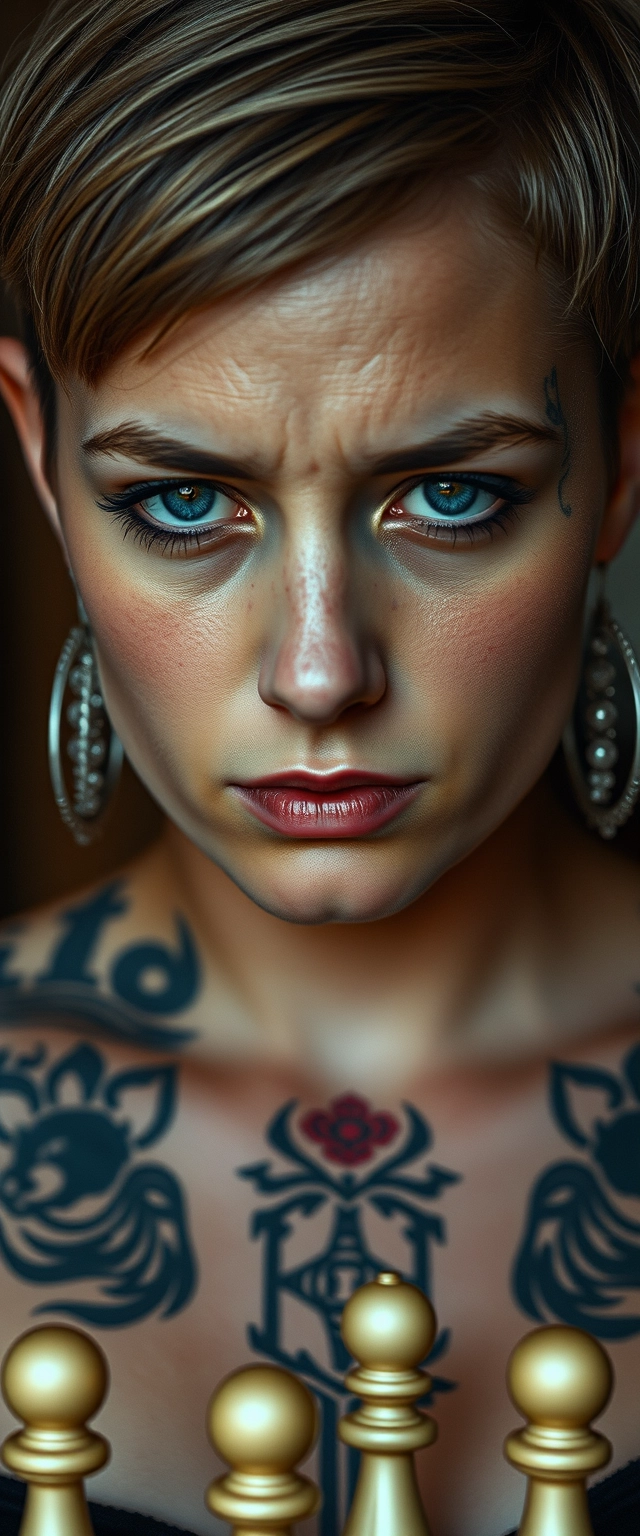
176,505
450,500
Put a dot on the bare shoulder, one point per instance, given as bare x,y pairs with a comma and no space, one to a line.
115,956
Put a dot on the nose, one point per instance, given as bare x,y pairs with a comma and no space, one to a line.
322,656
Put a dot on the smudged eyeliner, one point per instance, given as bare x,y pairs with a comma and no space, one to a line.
124,504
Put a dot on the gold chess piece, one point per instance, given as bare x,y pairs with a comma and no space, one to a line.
559,1378
388,1326
263,1421
55,1378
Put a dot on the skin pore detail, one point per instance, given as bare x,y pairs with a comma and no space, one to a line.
346,563
369,1002
376,594
316,533
555,414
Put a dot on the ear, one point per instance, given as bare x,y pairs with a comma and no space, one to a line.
20,396
624,500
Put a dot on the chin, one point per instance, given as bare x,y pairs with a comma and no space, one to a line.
310,891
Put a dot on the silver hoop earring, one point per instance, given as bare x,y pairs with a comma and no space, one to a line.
93,748
602,739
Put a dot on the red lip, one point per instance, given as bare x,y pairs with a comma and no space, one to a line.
345,804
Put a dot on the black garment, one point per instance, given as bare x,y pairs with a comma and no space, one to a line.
614,1505
106,1520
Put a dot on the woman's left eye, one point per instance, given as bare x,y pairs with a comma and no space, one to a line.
448,500
177,506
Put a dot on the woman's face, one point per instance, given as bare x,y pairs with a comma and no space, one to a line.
333,540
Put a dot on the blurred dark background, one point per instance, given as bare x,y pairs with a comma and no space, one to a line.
38,857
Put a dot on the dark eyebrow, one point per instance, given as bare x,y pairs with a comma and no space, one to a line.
151,447
475,435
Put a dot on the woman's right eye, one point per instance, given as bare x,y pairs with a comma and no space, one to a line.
177,506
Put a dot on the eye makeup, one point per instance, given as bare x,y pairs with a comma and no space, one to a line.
182,516
177,516
445,505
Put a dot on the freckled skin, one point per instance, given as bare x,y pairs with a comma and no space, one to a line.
360,647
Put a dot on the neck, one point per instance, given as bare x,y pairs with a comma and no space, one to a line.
461,974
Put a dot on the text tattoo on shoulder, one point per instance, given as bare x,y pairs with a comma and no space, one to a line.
84,1211
579,1258
342,1176
149,982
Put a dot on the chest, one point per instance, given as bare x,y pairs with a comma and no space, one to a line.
194,1219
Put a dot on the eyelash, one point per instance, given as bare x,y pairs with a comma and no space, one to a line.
514,496
122,505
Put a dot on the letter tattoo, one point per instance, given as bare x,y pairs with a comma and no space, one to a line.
337,1171
555,414
147,985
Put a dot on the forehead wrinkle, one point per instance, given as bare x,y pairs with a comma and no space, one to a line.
360,359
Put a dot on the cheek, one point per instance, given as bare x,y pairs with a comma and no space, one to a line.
168,667
497,673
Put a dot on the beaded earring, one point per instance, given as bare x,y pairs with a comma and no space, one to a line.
602,739
93,747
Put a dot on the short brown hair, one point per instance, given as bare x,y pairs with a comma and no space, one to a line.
157,154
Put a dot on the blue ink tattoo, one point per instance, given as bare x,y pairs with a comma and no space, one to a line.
148,982
579,1260
339,1246
555,414
82,930
78,1206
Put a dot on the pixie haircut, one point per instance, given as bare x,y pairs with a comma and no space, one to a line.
158,154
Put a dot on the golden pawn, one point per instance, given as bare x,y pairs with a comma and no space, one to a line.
388,1326
263,1421
55,1378
559,1378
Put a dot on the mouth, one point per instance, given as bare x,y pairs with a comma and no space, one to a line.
318,806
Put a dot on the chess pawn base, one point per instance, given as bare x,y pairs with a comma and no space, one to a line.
387,1498
557,1509
55,1511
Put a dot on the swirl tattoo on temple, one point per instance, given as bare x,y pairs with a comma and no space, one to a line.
555,414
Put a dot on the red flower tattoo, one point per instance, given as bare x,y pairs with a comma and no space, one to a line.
349,1130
